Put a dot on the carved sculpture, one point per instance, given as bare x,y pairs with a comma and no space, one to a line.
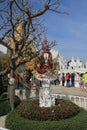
45,62
44,65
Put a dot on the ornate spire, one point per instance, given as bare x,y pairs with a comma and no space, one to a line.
45,46
44,62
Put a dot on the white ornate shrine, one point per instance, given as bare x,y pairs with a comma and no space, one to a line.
45,66
45,98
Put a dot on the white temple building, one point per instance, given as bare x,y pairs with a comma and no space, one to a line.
59,60
76,65
72,66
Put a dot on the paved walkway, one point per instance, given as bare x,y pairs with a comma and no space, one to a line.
56,90
70,91
2,121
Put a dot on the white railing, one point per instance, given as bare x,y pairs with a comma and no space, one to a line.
80,101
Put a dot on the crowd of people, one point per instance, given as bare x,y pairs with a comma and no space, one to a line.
21,81
73,80
65,79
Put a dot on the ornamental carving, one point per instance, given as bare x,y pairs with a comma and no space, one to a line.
45,62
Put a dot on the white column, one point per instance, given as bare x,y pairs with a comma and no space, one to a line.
45,97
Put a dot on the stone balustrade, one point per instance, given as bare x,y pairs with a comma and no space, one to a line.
78,100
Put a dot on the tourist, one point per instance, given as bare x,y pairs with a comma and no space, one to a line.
68,80
72,79
31,83
18,80
85,80
81,82
57,81
63,79
77,79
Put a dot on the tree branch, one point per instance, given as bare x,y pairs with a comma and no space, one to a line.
5,44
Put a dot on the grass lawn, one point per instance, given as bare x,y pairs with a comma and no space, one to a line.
78,122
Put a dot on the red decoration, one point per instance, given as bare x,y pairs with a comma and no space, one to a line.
44,64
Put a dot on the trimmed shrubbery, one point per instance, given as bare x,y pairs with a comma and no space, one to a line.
5,104
63,109
16,120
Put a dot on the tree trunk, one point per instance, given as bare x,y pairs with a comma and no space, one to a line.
12,96
11,90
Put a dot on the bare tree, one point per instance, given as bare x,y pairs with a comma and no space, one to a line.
20,28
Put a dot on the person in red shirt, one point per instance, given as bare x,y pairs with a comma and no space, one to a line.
68,80
18,80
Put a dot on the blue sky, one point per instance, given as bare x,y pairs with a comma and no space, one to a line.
69,31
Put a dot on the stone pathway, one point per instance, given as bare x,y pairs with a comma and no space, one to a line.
70,91
2,121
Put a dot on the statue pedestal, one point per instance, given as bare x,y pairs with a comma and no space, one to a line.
45,97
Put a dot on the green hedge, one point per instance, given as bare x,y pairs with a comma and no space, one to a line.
5,104
15,122
62,109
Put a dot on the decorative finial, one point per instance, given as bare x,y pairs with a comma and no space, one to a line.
45,46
